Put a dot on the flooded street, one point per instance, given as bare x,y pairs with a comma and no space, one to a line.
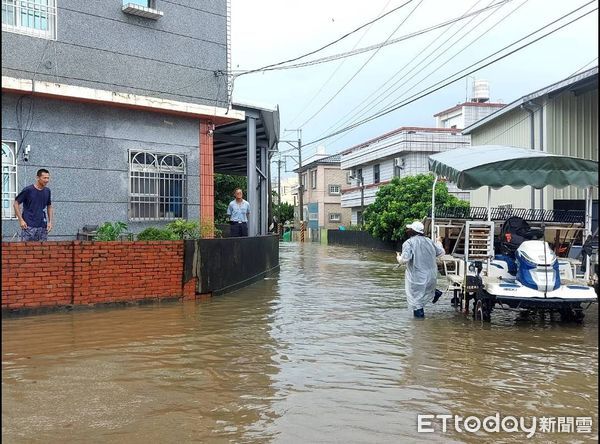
326,351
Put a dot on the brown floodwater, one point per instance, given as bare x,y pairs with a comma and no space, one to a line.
326,351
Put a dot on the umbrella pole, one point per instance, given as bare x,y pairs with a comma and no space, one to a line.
489,198
489,218
433,208
588,228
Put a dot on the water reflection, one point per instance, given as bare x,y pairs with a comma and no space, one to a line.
327,351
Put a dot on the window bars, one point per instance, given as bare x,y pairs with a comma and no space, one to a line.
36,18
9,179
157,186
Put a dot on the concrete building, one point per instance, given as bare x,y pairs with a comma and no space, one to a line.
399,153
322,181
465,114
561,118
289,190
404,151
96,93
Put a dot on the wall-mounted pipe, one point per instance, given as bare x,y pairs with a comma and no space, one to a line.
530,107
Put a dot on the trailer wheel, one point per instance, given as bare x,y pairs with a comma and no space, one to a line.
482,310
568,314
578,316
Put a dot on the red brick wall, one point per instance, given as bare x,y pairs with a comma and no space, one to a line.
36,274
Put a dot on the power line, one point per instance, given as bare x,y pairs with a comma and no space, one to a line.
422,93
543,107
24,129
335,70
209,99
142,26
375,46
195,9
521,39
108,138
357,112
373,103
324,46
138,57
585,66
361,68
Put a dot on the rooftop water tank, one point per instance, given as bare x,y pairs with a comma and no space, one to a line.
481,91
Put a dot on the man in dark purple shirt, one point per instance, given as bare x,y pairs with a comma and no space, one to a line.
34,221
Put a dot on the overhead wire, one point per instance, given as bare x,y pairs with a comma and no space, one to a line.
449,80
354,112
338,67
25,128
338,56
359,69
543,107
452,57
339,39
364,110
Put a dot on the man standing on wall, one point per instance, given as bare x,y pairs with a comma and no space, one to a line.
238,211
34,221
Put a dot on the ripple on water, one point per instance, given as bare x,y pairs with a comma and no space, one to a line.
326,351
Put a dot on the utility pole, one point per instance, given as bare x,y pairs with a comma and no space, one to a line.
362,198
298,146
279,190
300,184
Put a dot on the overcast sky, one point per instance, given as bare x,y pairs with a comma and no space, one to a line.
270,31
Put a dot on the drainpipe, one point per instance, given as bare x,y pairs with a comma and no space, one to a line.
529,107
541,108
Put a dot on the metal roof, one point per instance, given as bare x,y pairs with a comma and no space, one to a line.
329,160
230,141
578,83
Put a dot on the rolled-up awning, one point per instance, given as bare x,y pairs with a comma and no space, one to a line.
499,165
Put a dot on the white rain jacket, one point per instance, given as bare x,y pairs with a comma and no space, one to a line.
419,253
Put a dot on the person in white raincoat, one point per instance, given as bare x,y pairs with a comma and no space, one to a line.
419,253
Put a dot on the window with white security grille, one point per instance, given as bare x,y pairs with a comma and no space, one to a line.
36,18
335,217
334,189
9,178
157,186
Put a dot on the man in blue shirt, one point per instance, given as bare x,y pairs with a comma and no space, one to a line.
238,211
34,221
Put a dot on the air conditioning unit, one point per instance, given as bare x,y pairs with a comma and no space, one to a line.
399,162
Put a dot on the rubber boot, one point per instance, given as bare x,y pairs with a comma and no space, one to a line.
419,313
438,294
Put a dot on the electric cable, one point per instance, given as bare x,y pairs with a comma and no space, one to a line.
326,45
448,80
338,67
359,69
372,47
355,112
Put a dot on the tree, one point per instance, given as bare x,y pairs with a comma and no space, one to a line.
287,212
403,201
284,209
225,185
